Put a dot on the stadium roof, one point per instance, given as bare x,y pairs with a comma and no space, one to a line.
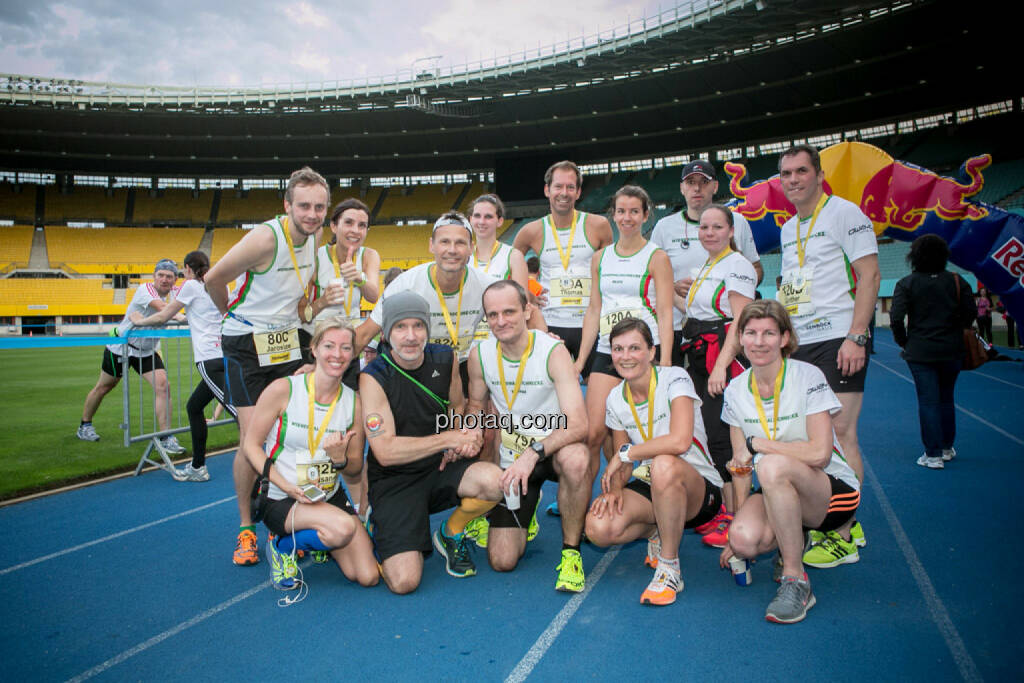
730,73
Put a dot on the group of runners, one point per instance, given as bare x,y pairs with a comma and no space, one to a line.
473,399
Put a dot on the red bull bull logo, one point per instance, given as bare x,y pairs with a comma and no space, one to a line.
902,195
761,198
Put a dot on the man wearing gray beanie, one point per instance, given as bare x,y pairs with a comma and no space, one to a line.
415,468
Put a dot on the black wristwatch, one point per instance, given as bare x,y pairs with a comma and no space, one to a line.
750,445
538,448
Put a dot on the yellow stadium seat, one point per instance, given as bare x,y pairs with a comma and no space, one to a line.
118,250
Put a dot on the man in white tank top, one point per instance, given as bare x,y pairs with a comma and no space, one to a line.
529,377
565,241
260,331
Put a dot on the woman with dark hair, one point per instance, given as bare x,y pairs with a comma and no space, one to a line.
984,303
204,323
940,307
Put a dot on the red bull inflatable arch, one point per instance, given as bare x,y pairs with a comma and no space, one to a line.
905,201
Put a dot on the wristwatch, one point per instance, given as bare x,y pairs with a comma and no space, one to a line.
858,339
538,448
750,446
624,453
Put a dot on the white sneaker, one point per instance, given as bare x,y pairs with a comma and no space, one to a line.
189,473
171,445
653,550
931,463
948,454
87,433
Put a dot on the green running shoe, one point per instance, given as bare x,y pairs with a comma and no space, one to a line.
857,535
478,529
283,568
570,572
534,528
831,552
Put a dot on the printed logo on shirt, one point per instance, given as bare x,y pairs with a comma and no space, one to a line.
741,277
820,325
818,387
860,228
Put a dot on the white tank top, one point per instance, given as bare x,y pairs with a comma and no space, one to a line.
203,321
268,300
499,266
288,441
568,288
536,400
627,290
325,272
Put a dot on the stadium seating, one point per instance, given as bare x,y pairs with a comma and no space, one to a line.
19,207
223,240
255,206
475,190
400,245
1001,180
118,250
596,197
174,206
57,296
85,203
15,245
419,201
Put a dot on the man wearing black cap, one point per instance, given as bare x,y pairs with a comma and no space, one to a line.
677,235
414,467
143,358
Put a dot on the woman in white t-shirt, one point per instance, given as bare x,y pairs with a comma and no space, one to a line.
780,421
304,433
204,326
657,429
719,291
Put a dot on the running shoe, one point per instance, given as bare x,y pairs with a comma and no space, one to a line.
947,453
171,445
534,528
478,529
791,602
936,463
570,572
663,587
283,568
455,550
553,510
246,552
814,537
189,473
87,433
708,527
831,552
719,536
857,535
653,550
321,556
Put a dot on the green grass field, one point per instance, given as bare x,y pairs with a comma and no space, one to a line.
42,406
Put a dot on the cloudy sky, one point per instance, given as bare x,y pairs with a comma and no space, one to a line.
253,42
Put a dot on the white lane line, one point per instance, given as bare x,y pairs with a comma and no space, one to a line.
157,639
963,410
998,379
973,372
111,537
937,610
534,655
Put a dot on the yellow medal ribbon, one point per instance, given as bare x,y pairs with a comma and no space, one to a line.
314,440
494,250
519,375
776,399
291,252
453,332
337,273
801,246
650,406
703,274
565,254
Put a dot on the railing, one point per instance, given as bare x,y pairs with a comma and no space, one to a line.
16,88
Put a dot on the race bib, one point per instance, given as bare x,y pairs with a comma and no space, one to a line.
513,443
570,291
279,346
612,319
316,470
483,331
795,292
466,338
643,471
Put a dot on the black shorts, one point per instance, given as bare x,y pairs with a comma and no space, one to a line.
111,363
710,508
842,505
464,376
402,505
678,355
822,355
275,515
245,378
572,337
501,517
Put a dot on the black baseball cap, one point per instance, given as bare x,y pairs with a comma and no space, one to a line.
699,166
